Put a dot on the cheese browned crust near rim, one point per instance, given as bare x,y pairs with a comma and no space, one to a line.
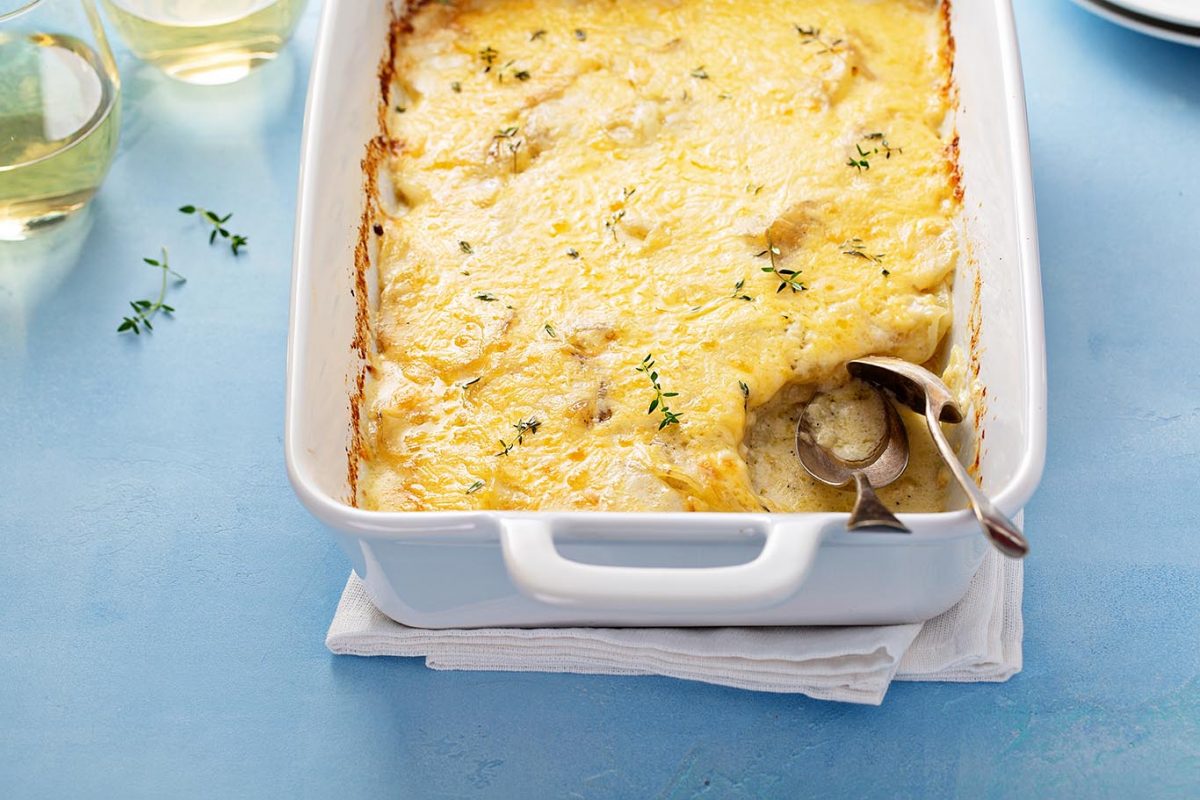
623,240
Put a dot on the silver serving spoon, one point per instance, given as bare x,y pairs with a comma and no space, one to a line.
924,392
883,465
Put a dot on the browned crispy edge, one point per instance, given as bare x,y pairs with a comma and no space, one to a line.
377,152
975,312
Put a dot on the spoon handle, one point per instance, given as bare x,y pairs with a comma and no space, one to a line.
1001,532
869,511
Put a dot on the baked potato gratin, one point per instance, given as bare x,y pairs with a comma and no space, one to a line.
624,240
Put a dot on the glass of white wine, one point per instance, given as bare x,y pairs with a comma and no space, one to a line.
59,111
206,41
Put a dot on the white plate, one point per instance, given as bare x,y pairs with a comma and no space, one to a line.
1180,12
1173,20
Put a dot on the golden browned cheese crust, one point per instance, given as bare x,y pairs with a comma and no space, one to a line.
752,192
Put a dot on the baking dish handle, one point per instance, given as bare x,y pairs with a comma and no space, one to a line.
540,570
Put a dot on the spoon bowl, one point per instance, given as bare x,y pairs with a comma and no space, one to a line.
883,465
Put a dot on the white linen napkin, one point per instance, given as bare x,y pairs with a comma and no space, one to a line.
979,639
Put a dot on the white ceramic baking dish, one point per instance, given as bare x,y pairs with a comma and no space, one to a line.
470,569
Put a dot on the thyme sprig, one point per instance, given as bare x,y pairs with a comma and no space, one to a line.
699,73
145,310
610,224
812,35
473,488
862,161
788,278
507,138
660,397
236,240
488,56
854,247
526,426
879,136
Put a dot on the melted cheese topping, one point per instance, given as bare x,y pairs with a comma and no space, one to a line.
752,191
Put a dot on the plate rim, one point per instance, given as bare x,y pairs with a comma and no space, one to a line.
1149,10
1143,23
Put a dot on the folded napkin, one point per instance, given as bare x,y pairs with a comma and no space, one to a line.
979,639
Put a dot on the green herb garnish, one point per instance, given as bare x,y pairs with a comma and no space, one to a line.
700,73
474,487
486,297
455,86
788,278
549,329
581,34
523,427
465,247
509,137
854,247
660,397
610,224
572,252
488,56
861,162
538,34
144,310
737,288
812,35
236,240
883,142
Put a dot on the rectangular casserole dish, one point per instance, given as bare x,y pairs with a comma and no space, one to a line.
473,569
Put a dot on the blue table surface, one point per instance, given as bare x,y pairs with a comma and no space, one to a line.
164,597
